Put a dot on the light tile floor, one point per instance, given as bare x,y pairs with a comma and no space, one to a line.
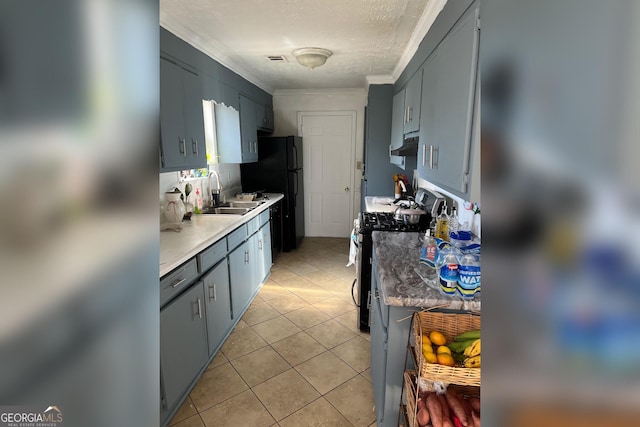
296,358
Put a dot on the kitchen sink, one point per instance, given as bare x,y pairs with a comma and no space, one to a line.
226,211
249,205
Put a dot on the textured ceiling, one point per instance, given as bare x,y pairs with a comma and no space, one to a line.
367,37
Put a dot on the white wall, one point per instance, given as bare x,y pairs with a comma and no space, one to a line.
287,104
229,178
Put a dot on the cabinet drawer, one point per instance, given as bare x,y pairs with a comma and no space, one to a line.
264,218
178,280
236,237
209,257
253,225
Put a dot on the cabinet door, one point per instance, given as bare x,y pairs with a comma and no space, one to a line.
248,132
194,120
413,95
397,128
270,120
183,342
172,125
456,65
378,351
264,252
427,118
218,304
261,116
240,279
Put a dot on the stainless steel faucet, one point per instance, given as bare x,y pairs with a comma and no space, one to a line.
215,193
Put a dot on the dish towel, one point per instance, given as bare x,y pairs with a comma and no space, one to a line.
353,244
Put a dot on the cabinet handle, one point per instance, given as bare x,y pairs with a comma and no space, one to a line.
194,145
369,299
410,119
178,282
424,154
199,308
183,147
255,150
431,157
246,257
260,244
435,162
215,297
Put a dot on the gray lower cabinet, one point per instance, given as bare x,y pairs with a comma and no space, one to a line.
390,326
264,252
240,276
218,304
449,109
183,343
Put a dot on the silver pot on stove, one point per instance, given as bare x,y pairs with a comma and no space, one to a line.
407,215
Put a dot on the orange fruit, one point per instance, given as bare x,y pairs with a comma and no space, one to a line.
445,359
430,357
443,349
437,338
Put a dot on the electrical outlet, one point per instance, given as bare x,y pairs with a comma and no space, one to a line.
359,165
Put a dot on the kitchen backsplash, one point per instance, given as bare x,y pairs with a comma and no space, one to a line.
464,215
229,178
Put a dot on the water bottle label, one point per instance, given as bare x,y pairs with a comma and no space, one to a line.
428,256
448,278
469,277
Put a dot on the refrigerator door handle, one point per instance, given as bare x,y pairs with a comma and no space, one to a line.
295,150
295,193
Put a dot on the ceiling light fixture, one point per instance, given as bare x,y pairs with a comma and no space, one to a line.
312,57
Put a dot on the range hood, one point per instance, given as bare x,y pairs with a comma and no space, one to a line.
409,147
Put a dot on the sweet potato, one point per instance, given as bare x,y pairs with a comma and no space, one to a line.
423,417
476,418
454,403
446,413
467,408
475,404
421,403
435,410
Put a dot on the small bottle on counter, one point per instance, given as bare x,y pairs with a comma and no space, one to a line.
442,224
429,251
448,274
453,220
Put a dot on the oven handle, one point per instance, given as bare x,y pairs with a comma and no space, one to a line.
353,289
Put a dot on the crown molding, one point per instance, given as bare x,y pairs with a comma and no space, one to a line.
284,92
380,80
431,12
209,49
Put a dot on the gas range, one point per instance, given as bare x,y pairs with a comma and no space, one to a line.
385,221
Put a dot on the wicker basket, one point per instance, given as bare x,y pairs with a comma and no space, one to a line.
412,395
451,325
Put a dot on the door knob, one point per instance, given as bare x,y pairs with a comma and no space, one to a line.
346,189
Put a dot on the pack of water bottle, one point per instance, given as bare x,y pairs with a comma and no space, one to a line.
456,262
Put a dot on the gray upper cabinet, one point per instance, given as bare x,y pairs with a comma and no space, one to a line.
183,343
264,117
182,144
412,97
248,130
397,128
448,107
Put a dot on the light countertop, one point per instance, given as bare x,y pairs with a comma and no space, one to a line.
379,204
403,281
201,232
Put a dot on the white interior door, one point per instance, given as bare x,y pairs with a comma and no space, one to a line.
328,140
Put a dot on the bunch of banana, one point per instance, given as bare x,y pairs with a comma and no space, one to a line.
465,349
473,355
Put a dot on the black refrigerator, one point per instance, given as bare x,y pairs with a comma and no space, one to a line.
279,170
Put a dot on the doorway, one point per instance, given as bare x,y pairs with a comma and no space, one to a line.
329,141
